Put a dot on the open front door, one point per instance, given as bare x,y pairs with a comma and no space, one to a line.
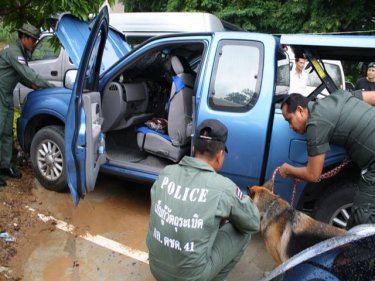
84,120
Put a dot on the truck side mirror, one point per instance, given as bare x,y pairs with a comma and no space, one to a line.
70,78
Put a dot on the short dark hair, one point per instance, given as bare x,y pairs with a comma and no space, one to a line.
293,101
297,59
21,35
208,148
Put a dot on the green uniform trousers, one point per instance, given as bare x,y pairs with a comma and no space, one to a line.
6,135
227,250
363,210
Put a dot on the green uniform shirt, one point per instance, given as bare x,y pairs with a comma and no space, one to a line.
188,202
13,69
343,119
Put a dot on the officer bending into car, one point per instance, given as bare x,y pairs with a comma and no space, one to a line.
200,222
342,118
13,69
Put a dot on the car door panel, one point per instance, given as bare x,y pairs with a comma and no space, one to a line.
93,128
239,90
84,121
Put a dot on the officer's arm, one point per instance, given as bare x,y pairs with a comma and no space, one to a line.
28,75
369,97
244,214
310,173
28,84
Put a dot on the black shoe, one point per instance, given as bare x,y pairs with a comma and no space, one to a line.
10,172
2,183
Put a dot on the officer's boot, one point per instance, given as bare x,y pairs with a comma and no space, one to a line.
2,182
10,172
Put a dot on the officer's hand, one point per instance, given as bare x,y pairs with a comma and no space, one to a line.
284,170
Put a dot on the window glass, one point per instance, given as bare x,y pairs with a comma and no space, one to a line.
282,73
333,71
235,86
44,50
93,63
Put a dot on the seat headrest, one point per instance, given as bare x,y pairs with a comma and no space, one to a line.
177,66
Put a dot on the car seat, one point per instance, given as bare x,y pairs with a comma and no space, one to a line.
176,142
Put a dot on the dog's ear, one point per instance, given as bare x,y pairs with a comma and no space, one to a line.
268,184
250,192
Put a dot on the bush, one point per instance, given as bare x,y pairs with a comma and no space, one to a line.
17,113
6,34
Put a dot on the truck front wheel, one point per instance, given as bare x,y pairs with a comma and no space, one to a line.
335,207
48,158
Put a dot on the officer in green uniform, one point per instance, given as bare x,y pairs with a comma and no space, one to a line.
200,222
344,119
13,69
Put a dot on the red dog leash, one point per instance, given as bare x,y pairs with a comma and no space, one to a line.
324,176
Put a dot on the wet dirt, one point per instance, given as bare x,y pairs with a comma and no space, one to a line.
118,213
17,222
117,210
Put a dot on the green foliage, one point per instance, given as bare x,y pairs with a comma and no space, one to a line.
278,16
275,16
5,34
15,13
17,113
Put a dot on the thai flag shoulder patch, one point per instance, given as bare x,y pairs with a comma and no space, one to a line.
21,60
239,193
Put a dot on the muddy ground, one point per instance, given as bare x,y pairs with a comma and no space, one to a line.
16,221
41,251
22,225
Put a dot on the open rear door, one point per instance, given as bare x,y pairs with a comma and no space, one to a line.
84,120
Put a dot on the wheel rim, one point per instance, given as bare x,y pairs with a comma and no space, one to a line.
50,160
341,217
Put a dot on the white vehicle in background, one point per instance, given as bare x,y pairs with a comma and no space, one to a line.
51,64
333,67
335,70
138,27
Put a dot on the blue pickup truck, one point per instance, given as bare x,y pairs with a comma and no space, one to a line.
236,77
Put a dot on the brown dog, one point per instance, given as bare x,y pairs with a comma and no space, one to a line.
285,230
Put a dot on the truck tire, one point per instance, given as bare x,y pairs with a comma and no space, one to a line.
335,206
48,158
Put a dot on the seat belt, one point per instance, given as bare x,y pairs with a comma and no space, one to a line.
179,86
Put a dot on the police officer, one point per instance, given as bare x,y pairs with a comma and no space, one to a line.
343,118
200,222
13,69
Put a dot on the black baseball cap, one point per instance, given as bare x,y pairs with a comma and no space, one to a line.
371,64
212,129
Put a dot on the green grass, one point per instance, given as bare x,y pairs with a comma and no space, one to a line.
6,34
17,113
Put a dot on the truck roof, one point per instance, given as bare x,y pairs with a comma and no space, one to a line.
335,47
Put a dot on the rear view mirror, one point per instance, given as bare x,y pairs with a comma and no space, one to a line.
70,78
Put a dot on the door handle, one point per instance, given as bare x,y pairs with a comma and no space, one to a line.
53,73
